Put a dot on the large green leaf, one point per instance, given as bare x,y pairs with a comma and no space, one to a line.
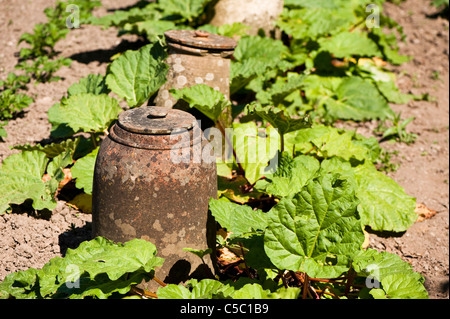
172,291
291,175
33,162
357,99
257,291
103,256
238,219
204,98
85,112
19,285
22,175
318,230
256,152
348,98
268,49
318,87
389,276
402,286
251,291
280,89
327,141
83,171
384,205
93,83
348,44
21,179
188,9
254,56
243,72
316,21
385,82
137,75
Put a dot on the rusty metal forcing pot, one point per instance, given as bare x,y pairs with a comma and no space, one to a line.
150,183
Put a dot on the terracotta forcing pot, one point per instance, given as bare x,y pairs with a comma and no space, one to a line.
197,57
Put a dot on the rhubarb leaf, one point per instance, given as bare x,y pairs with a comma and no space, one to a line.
83,171
188,9
85,112
93,83
291,175
256,153
349,98
238,219
316,231
137,75
21,179
204,98
389,276
326,142
384,205
348,44
314,21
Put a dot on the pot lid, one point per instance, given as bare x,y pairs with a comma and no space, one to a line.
200,39
153,120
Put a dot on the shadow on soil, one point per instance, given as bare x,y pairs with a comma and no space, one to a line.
73,237
104,56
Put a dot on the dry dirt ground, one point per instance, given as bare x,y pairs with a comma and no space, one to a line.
27,240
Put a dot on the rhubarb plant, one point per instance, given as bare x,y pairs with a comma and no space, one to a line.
34,174
102,269
98,269
11,100
317,233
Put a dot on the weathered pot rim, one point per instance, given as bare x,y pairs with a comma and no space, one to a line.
192,39
156,128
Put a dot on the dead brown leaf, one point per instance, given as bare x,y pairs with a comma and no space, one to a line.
67,178
424,212
227,257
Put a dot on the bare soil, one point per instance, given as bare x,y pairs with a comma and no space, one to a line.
31,240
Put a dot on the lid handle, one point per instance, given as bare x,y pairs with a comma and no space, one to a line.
201,34
158,112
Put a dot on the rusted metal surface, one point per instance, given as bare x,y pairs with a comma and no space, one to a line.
197,57
140,191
